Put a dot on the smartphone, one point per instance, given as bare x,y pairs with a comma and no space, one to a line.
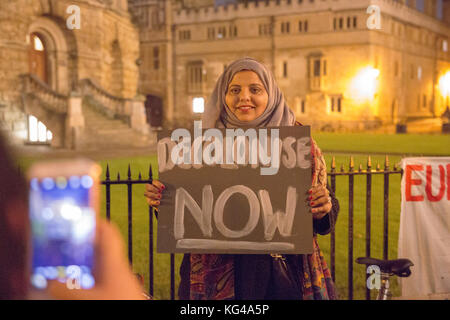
63,209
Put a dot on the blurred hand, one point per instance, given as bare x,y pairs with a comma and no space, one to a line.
112,272
153,193
320,201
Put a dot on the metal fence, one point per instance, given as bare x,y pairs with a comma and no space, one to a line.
333,174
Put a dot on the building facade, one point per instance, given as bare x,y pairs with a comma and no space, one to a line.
342,64
69,72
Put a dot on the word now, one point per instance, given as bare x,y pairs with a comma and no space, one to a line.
283,221
444,182
238,147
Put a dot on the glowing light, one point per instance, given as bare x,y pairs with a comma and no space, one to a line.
198,105
61,182
70,212
444,84
74,182
87,281
48,183
364,85
38,45
86,182
39,281
32,128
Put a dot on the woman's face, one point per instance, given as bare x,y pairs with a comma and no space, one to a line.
246,96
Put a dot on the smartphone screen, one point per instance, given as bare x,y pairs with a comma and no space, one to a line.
63,230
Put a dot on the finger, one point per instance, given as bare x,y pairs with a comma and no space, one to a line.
153,195
152,188
153,203
158,185
320,201
320,212
318,193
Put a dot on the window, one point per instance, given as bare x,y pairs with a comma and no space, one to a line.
264,29
155,58
336,104
419,73
285,27
355,22
302,106
184,35
195,77
285,69
424,100
445,45
316,68
198,105
211,33
37,131
303,26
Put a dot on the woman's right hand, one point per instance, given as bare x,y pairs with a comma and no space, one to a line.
153,193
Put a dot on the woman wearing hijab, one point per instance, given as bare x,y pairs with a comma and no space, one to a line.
246,95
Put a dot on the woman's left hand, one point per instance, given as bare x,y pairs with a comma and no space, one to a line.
320,201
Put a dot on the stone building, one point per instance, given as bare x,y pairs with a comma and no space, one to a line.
69,74
341,64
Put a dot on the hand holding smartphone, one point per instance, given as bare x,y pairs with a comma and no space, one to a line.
63,199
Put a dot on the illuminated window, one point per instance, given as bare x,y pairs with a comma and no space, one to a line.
37,131
37,43
198,105
445,45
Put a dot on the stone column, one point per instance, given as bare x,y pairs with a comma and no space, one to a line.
138,116
74,121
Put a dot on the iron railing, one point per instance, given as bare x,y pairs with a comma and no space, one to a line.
333,174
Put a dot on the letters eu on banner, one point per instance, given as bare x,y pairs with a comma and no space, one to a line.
227,192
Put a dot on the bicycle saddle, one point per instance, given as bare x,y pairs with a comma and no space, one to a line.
399,267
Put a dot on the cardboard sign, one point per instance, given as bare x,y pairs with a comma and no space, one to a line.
226,192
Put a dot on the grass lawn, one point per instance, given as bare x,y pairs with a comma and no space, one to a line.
332,144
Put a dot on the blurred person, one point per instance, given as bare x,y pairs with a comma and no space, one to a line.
113,275
246,95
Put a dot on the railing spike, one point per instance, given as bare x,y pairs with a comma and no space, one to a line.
369,162
333,163
150,173
140,176
118,176
378,166
129,172
360,167
352,163
107,171
386,162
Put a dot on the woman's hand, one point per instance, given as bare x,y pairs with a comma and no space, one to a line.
320,201
153,193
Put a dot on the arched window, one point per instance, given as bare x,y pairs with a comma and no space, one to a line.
37,131
38,57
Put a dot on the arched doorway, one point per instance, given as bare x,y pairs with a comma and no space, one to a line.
38,57
154,110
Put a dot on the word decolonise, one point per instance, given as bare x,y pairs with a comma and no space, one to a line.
238,147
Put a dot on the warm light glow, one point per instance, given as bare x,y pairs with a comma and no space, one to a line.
38,45
198,105
32,128
364,85
444,84
38,131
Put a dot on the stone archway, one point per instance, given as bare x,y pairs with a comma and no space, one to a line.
57,52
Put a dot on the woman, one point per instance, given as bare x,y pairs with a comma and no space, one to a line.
246,94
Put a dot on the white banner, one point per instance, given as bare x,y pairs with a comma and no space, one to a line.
424,235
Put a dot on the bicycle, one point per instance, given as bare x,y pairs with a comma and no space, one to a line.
388,268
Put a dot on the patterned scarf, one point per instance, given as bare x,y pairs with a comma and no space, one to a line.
212,275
